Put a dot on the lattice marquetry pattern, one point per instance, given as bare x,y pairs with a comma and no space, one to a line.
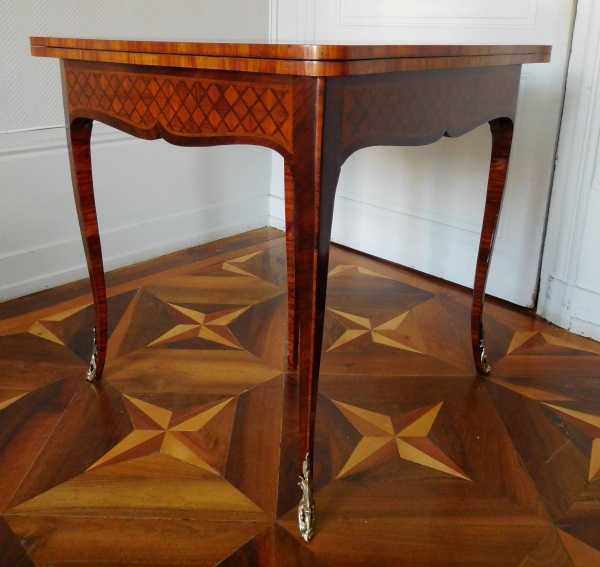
420,108
199,107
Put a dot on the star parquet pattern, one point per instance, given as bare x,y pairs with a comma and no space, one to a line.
184,453
380,440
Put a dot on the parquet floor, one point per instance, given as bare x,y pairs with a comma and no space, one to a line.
184,454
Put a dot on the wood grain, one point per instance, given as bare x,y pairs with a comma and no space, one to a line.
315,105
315,166
79,133
96,421
274,547
293,330
255,444
412,109
495,464
13,553
287,50
296,68
150,543
187,107
25,426
502,133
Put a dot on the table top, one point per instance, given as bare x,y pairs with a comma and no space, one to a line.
288,58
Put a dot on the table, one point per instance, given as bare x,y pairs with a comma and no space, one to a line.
313,104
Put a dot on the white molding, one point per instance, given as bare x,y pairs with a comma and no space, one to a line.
576,308
37,140
293,20
44,248
585,328
152,199
363,16
377,207
273,15
57,263
311,21
400,217
277,223
450,227
363,225
563,300
515,269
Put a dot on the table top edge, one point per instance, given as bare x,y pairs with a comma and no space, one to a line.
286,51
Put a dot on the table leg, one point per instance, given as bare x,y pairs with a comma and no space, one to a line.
291,253
502,134
315,168
78,138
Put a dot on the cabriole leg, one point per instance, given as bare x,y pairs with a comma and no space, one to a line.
502,134
78,137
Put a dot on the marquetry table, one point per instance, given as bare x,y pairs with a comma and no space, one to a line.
315,105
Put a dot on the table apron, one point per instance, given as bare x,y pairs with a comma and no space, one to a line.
192,107
418,108
183,106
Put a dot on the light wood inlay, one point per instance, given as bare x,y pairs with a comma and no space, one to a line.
315,105
413,450
185,106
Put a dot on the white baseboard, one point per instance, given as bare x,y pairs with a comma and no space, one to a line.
279,224
152,200
572,307
58,263
436,247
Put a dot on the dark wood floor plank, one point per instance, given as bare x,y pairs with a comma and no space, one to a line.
120,542
12,554
550,552
275,547
581,555
154,486
94,422
253,461
556,466
262,330
414,543
493,459
25,426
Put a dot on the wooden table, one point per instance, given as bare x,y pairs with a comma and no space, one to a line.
315,105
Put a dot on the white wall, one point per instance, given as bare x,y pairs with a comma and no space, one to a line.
423,207
152,198
570,279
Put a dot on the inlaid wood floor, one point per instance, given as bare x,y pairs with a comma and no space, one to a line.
184,454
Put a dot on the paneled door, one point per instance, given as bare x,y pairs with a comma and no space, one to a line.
422,207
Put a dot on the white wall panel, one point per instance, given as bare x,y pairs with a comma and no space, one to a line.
152,198
32,84
570,278
431,198
589,267
515,13
276,201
